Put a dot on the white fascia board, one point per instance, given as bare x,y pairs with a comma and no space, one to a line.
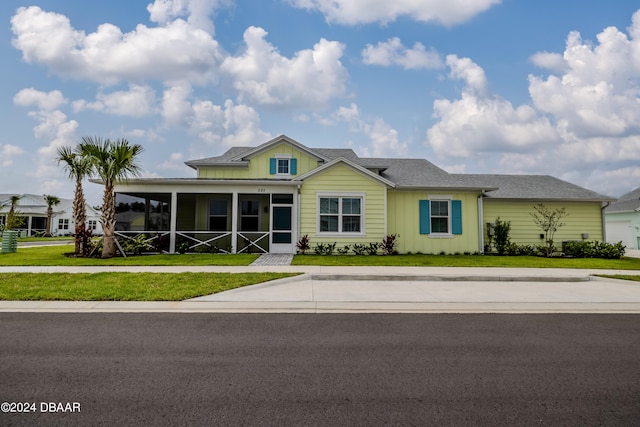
352,165
282,138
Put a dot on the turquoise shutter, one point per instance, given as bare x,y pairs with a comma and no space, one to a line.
456,216
272,166
425,217
293,166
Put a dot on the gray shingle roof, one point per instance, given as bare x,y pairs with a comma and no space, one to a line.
223,158
626,203
420,173
541,187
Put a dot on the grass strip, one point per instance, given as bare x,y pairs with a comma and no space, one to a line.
468,261
55,256
621,277
123,286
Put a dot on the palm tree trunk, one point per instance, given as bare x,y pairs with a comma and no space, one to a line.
49,216
108,221
79,212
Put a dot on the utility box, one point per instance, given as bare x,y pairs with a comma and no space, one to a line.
9,241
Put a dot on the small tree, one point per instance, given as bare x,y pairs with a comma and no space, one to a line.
51,201
501,230
112,162
78,167
13,220
549,221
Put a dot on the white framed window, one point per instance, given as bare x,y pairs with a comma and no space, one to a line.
282,166
63,224
440,216
92,224
341,214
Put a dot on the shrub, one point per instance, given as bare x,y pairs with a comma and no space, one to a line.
325,248
136,245
594,249
501,230
372,248
344,250
303,244
359,249
389,244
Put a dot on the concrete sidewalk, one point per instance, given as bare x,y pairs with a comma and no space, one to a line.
379,289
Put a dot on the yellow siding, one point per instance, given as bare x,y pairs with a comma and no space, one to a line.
259,165
404,220
584,217
343,179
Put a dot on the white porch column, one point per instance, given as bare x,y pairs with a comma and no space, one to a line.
29,226
234,222
481,224
174,220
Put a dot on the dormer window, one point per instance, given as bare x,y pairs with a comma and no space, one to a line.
283,165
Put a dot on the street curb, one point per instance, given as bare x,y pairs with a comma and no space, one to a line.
447,278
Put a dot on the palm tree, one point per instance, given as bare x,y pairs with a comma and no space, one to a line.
13,220
112,162
78,167
51,201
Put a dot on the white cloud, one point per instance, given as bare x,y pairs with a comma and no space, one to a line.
198,12
393,52
138,101
53,127
467,70
175,51
8,152
228,125
175,163
261,74
383,139
44,101
585,126
598,94
549,60
354,12
480,123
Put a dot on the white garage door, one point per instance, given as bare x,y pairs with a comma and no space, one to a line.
620,231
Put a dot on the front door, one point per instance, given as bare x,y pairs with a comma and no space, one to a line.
281,224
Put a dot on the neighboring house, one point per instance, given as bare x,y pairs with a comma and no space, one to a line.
265,198
33,208
622,219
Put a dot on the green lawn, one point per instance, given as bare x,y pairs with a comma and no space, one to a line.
123,286
468,261
621,277
54,256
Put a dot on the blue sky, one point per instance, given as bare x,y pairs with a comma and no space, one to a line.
490,86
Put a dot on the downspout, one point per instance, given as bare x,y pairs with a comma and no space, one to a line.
604,227
481,222
298,228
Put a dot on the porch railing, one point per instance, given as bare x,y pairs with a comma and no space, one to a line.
210,241
192,241
251,240
152,244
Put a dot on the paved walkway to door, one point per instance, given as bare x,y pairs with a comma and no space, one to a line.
273,259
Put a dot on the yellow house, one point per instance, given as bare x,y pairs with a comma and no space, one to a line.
266,198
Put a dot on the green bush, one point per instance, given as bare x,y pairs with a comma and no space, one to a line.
594,249
501,230
325,248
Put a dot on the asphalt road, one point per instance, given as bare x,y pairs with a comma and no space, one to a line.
331,369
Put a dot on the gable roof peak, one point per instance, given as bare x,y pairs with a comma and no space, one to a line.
275,141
